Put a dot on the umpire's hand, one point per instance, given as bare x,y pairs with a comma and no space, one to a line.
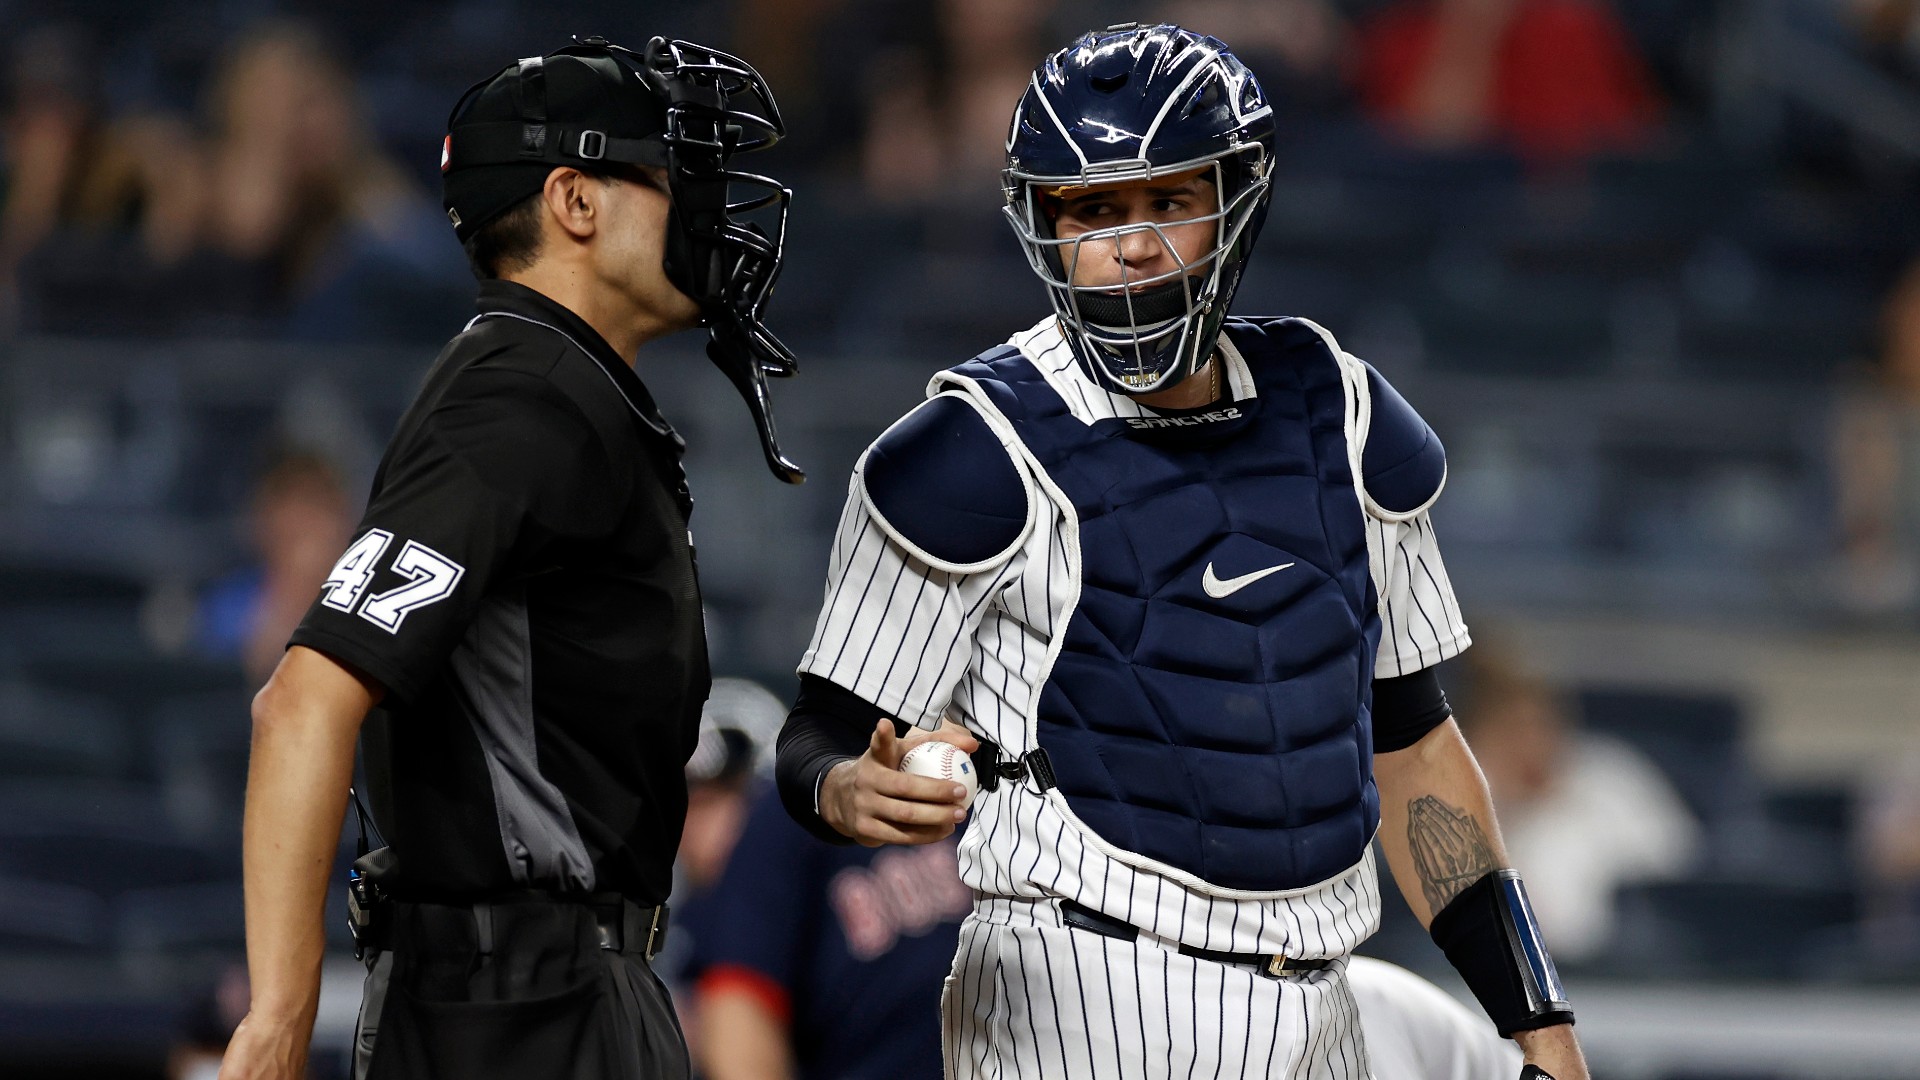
869,799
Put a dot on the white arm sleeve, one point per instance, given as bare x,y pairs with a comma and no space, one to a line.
892,629
1420,623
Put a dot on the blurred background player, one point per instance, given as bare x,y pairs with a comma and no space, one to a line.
785,949
1417,1030
738,725
815,961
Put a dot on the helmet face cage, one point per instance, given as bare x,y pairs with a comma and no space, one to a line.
1135,103
1148,333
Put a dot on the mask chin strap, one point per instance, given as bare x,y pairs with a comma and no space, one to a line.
727,266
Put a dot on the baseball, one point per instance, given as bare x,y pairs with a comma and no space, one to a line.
943,761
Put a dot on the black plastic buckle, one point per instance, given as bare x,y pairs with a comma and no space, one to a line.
992,768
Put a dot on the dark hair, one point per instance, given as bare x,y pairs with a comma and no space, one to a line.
512,241
507,243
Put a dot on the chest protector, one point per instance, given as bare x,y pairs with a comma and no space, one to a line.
1207,715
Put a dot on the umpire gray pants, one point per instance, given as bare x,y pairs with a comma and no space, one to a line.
535,990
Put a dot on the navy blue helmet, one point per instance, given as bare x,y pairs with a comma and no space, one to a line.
1133,103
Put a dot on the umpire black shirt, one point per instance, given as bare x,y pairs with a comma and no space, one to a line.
523,586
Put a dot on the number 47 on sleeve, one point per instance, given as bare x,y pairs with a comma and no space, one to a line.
431,577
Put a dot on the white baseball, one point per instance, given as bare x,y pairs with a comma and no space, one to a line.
943,761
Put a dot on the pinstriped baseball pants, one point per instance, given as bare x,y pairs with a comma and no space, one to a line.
1033,998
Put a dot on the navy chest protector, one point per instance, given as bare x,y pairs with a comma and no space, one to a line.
1208,709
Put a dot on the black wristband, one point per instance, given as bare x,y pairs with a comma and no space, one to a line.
1489,935
828,725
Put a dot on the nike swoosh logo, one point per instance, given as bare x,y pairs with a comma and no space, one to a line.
1220,590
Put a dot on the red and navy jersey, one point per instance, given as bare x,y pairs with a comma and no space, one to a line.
847,944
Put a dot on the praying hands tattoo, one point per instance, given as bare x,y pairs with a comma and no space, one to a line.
1450,850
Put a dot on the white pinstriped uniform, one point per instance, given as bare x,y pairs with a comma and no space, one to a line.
1028,996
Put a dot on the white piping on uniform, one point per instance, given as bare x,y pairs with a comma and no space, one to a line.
597,366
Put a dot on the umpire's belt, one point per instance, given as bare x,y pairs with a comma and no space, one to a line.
1081,917
614,922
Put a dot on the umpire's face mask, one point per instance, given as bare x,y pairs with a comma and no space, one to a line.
677,111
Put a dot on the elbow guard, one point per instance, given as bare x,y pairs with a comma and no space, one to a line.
1490,936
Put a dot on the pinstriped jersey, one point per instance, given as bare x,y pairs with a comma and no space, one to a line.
922,642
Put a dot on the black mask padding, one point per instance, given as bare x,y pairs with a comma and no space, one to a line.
1144,308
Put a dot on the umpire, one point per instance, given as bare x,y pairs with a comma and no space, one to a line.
518,620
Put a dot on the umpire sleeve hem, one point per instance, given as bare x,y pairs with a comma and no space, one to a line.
355,654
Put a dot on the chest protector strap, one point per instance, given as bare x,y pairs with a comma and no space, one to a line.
992,765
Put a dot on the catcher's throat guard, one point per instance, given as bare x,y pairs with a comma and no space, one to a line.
1131,104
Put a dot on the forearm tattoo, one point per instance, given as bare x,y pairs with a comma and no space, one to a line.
1450,850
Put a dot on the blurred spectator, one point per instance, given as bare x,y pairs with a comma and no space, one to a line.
302,193
1890,858
1298,48
1890,32
1581,814
288,219
1556,80
207,1027
107,201
938,102
299,522
50,124
1877,468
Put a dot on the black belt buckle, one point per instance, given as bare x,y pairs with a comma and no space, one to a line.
1279,967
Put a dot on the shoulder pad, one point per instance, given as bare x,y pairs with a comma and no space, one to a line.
942,483
1403,466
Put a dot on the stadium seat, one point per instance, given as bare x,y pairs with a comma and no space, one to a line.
59,736
41,917
1747,927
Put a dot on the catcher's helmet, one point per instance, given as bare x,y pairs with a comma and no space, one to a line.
596,106
1127,103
